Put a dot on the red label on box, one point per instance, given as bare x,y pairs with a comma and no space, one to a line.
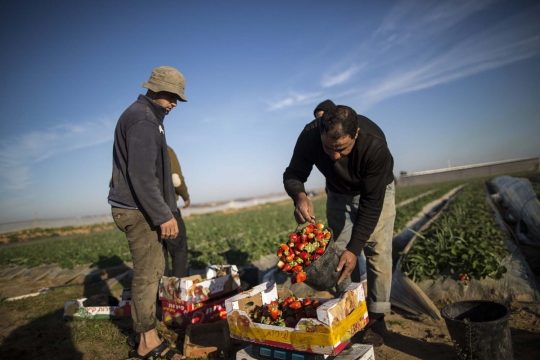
181,314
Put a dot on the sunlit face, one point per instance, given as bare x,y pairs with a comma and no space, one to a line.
167,100
319,113
339,148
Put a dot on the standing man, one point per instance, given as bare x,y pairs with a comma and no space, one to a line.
177,247
143,201
357,164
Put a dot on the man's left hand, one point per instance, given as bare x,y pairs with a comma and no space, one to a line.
347,262
187,203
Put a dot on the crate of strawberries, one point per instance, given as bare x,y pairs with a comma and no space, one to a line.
276,317
310,255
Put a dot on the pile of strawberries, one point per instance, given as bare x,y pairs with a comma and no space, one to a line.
303,248
285,312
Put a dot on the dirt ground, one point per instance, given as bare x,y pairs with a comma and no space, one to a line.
409,337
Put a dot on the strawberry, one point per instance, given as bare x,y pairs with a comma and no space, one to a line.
319,226
328,235
297,268
287,267
319,251
300,246
301,277
308,229
306,302
319,236
288,300
280,264
293,237
316,303
279,253
290,257
284,247
295,305
273,308
303,238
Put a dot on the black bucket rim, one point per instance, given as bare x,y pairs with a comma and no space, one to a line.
503,318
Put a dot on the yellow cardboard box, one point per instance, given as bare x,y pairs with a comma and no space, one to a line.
337,321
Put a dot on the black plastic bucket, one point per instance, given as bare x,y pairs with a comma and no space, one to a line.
479,329
321,275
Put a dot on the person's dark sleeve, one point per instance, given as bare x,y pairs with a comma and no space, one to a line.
297,173
143,145
372,192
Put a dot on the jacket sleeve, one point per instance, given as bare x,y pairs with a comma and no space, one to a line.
299,169
143,146
180,187
372,193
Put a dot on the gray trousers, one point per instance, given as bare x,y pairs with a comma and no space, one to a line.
342,213
148,265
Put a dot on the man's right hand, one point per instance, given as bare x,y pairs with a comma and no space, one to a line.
304,209
169,229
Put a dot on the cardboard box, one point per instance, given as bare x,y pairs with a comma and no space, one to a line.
183,313
207,340
220,280
337,321
74,309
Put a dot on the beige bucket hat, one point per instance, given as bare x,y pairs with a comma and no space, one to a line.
167,78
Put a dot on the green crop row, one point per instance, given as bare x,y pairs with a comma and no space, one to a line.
407,212
465,242
234,237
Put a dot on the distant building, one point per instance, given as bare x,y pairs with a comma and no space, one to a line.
470,171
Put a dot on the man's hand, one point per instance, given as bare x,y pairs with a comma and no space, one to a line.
187,203
304,209
347,260
169,229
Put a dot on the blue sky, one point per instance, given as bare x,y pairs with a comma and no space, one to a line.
448,82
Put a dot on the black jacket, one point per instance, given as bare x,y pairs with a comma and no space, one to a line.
141,176
365,171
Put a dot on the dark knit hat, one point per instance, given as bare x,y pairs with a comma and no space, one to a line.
324,106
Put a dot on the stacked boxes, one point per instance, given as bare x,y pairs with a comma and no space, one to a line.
337,321
195,299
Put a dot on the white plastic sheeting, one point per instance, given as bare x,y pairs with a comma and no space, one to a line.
517,196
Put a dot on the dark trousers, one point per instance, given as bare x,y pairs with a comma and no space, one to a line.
178,249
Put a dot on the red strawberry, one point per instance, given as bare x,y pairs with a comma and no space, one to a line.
295,305
297,268
293,237
308,229
273,308
287,267
319,251
301,277
300,246
319,226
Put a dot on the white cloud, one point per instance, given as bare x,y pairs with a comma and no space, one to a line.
512,40
18,154
294,99
344,76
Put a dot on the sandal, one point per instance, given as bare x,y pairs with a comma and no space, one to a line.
162,351
134,340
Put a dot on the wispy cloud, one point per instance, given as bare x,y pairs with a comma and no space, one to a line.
335,79
422,44
509,41
18,154
293,99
